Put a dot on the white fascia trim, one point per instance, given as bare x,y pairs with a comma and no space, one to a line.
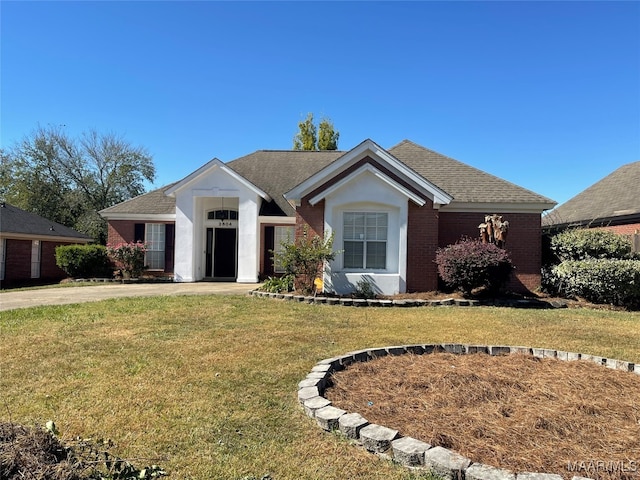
373,170
44,238
277,220
210,166
313,182
488,208
149,218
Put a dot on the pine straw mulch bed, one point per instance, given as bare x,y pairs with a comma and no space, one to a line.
516,412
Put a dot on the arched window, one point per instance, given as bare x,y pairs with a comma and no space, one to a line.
225,214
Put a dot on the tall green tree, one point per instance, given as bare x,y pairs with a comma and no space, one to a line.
310,137
69,180
327,135
306,138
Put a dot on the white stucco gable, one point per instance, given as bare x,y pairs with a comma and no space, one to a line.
207,170
370,149
216,224
368,193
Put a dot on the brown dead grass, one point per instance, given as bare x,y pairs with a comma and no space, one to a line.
516,412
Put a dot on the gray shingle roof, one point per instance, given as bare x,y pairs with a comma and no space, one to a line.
463,182
151,203
616,195
278,171
14,220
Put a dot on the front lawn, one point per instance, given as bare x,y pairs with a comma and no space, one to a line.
207,386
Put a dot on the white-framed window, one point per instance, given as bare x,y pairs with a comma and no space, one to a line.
365,240
3,256
35,259
281,235
154,238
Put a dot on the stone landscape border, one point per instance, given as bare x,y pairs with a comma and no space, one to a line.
410,302
408,451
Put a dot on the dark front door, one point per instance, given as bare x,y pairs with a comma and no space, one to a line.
224,253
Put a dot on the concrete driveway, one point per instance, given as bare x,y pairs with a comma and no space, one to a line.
10,300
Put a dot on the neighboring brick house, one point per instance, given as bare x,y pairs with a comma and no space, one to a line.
612,203
389,211
27,246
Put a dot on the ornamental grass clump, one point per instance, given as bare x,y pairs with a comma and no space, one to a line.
470,264
128,257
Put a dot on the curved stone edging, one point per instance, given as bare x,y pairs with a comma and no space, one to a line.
360,302
408,451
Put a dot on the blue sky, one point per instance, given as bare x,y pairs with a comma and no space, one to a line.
543,94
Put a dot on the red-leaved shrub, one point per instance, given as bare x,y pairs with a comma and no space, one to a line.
470,264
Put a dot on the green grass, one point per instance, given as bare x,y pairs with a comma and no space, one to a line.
207,384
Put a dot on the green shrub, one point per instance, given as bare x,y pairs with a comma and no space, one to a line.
581,244
84,261
304,259
470,264
611,281
364,289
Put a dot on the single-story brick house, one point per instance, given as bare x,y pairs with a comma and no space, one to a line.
28,246
612,203
389,210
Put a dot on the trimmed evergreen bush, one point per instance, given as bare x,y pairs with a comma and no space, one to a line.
612,281
470,264
581,244
84,261
596,265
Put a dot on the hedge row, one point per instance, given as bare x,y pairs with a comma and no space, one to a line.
611,281
585,243
84,261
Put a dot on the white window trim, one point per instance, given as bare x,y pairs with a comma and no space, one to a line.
365,242
148,227
36,258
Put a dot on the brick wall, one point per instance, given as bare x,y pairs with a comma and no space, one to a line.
121,231
306,214
48,267
18,261
629,229
524,242
422,243
124,231
430,229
